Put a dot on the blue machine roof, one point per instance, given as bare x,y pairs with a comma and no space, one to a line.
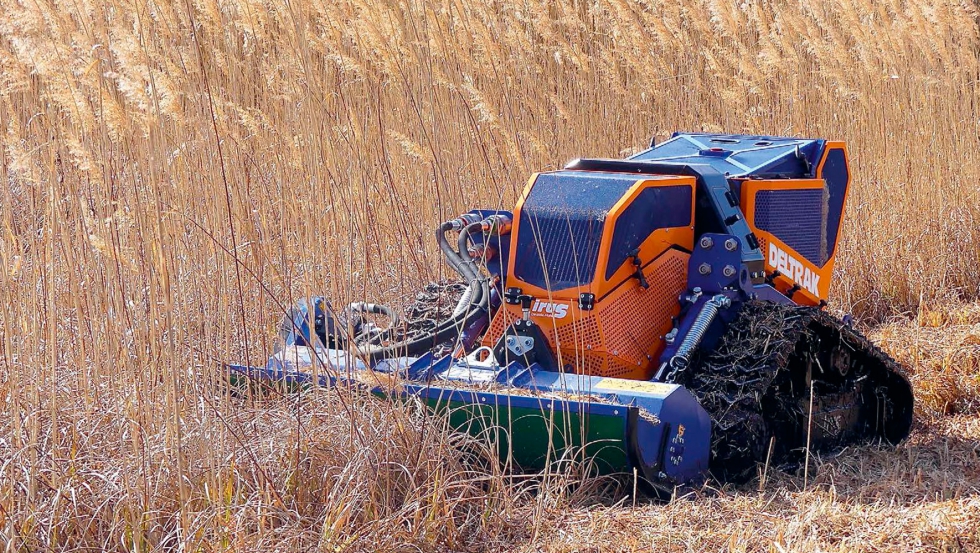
740,155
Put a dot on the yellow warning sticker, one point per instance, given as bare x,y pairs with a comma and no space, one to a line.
636,386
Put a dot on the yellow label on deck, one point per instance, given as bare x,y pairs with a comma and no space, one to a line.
636,386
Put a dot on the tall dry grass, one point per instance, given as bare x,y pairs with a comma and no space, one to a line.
174,171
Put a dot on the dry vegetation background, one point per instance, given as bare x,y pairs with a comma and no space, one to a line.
148,145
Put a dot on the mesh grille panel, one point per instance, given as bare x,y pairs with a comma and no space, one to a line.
583,332
568,254
614,339
591,363
635,321
497,326
798,218
560,227
617,369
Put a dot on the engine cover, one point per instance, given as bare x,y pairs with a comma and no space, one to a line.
604,255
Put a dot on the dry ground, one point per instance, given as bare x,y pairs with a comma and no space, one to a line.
174,171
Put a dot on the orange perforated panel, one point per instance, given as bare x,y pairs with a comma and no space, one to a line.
623,335
580,334
501,320
577,343
634,320
591,363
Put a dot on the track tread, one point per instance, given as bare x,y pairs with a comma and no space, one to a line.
752,385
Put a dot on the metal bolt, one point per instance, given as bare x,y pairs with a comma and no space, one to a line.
728,271
707,242
704,269
731,244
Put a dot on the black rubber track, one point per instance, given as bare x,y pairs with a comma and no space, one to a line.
756,385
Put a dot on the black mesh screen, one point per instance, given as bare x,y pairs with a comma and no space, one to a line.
560,227
798,218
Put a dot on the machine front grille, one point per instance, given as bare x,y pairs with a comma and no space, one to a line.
561,224
620,337
798,218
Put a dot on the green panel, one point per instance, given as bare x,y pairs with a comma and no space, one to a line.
528,437
532,438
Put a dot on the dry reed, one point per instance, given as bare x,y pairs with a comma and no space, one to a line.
174,171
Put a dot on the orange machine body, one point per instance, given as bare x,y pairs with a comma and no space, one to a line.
620,332
797,224
604,247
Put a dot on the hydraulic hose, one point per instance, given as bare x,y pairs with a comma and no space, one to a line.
463,245
453,257
463,304
446,330
478,292
377,309
462,265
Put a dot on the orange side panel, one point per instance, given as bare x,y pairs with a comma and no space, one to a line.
653,246
794,269
623,335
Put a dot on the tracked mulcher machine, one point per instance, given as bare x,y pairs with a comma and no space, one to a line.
661,314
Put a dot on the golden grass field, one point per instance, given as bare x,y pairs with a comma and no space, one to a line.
174,172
